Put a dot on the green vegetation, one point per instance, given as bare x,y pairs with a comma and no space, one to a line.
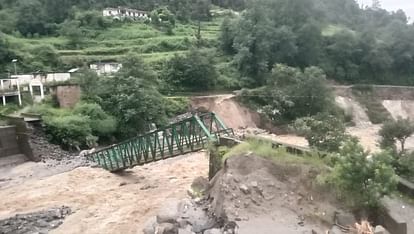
194,71
325,132
352,45
405,166
396,130
290,93
264,148
361,180
81,127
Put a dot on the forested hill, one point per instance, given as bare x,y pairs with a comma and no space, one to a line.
351,43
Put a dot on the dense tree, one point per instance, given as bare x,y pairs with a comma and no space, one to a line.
164,19
324,132
132,98
352,45
343,53
232,4
72,31
200,10
226,37
6,54
307,90
396,130
194,71
32,18
290,94
47,57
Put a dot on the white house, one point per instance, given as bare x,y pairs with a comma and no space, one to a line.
35,82
122,13
105,68
10,88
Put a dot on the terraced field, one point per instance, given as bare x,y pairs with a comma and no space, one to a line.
113,43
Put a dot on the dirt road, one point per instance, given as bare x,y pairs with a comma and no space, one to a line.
105,202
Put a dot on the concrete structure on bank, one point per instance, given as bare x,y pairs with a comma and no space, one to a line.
67,95
123,12
105,68
10,88
36,83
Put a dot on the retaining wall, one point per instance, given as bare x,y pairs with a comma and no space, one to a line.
8,141
21,137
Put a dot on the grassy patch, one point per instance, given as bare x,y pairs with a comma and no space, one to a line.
264,149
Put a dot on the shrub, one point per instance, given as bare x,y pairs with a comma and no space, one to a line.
396,130
325,132
102,124
71,131
360,180
405,166
176,106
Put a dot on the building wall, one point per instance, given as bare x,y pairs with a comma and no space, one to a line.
124,12
8,141
48,78
106,68
67,95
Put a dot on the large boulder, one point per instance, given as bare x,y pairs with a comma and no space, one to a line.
169,212
150,225
380,230
345,219
166,228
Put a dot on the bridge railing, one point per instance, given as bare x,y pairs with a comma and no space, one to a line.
189,135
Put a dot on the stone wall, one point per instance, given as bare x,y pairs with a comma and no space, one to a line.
67,95
21,136
8,141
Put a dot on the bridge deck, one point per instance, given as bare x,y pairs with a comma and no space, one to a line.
189,135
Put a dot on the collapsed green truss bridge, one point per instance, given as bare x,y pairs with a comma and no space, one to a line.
189,135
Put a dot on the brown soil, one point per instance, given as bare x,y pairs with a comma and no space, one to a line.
104,202
232,113
267,197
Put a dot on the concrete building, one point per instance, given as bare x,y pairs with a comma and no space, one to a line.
35,83
122,13
105,68
10,89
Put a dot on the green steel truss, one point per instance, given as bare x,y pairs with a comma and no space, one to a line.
186,136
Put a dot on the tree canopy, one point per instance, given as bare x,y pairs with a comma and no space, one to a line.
352,45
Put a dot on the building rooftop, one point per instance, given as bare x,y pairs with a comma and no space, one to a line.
125,9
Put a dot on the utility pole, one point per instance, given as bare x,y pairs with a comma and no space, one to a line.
14,61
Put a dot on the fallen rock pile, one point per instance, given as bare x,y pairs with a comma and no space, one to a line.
241,133
52,154
43,149
37,222
181,217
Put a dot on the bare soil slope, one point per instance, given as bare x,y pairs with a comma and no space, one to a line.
400,108
233,114
266,197
104,202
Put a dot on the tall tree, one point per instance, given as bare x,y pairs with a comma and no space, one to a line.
132,98
194,71
32,18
